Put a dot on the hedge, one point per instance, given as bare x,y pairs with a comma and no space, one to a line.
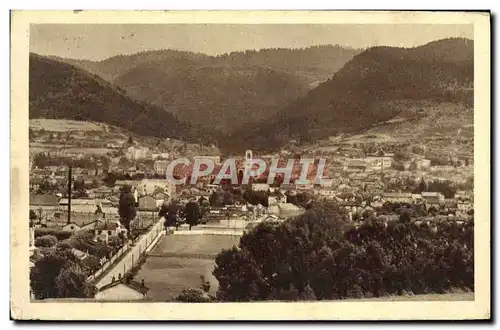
59,234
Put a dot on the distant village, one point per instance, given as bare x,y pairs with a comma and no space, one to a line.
378,185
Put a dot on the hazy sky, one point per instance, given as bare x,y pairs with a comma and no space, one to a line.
100,41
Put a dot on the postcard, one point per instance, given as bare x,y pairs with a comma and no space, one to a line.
264,165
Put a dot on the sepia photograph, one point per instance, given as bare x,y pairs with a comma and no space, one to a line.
245,160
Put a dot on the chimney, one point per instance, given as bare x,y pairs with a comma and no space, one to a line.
69,193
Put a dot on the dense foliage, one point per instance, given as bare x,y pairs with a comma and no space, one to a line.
193,296
60,274
319,256
57,233
46,241
366,91
223,91
127,208
55,86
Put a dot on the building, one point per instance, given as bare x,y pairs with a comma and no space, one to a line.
122,290
72,227
214,159
152,186
79,205
433,199
464,207
135,153
164,155
375,163
260,187
355,165
103,231
422,164
397,197
160,167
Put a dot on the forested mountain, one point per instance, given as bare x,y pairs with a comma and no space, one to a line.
223,92
58,90
368,90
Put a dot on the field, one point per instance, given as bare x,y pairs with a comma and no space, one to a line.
178,261
455,296
62,125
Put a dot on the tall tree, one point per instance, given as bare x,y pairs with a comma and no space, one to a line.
127,207
193,214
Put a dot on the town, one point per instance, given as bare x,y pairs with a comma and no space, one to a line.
75,200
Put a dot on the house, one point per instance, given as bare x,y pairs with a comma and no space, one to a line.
433,199
122,290
375,163
164,155
355,165
260,187
72,227
103,231
353,207
422,164
160,167
464,207
160,198
80,205
79,254
214,159
135,153
396,197
89,226
150,186
416,198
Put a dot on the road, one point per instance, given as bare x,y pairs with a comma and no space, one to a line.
132,256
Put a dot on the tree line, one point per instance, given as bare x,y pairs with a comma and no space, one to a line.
320,256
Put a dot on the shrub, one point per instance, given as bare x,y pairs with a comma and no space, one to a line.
193,295
64,246
46,241
59,234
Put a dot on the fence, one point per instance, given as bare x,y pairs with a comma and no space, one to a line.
109,262
132,256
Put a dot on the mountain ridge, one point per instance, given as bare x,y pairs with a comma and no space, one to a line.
59,90
357,96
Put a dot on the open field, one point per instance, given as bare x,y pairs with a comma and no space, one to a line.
455,296
63,125
195,244
178,261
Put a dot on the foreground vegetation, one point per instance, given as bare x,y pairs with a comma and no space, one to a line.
318,255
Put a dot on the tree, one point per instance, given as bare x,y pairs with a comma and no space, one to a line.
72,283
193,295
422,186
126,207
228,198
171,214
33,216
404,217
46,241
63,246
192,212
59,275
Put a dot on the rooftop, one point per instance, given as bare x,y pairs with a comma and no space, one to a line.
130,283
